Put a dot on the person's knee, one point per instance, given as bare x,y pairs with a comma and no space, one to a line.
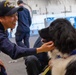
30,59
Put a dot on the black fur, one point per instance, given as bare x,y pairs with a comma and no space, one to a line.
62,33
71,68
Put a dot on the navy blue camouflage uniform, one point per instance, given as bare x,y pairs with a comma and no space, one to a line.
11,49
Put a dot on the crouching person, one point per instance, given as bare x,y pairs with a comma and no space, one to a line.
35,64
8,19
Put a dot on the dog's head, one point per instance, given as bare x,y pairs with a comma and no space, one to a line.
62,33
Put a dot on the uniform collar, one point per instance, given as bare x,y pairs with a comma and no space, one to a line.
2,27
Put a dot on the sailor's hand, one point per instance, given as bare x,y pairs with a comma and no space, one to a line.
46,47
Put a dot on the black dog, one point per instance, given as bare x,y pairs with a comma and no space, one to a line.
63,34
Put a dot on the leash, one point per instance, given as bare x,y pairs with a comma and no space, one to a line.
46,70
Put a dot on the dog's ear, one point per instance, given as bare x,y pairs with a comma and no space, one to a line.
63,35
71,68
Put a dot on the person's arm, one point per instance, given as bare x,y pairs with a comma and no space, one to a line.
15,51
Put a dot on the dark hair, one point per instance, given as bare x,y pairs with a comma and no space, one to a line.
19,2
62,33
